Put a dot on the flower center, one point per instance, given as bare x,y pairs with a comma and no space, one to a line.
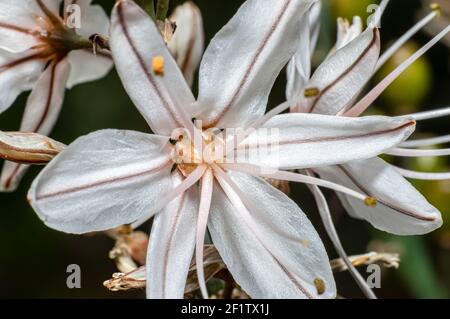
56,38
204,149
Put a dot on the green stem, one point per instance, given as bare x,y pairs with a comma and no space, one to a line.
148,6
161,9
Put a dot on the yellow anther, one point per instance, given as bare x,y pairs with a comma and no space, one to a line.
320,285
371,201
436,8
311,92
158,65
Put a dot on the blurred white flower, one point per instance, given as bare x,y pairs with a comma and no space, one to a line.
188,41
39,52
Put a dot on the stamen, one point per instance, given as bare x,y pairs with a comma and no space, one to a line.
327,220
176,192
428,115
293,177
370,201
158,65
422,175
427,142
365,102
311,92
379,13
229,187
405,152
320,286
257,124
403,39
202,222
436,7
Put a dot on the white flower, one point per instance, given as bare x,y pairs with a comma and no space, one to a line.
39,52
332,90
112,177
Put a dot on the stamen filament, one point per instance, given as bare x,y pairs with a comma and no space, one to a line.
293,177
327,220
365,102
193,178
403,39
428,115
229,188
202,222
422,175
426,142
406,152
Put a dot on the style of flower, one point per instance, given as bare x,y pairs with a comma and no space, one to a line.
111,177
332,90
40,51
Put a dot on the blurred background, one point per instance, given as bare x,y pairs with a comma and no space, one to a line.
33,258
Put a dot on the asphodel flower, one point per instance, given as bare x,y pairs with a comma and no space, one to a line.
112,177
41,51
333,90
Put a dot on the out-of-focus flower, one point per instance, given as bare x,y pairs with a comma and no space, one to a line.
28,148
40,51
110,178
136,278
130,248
188,41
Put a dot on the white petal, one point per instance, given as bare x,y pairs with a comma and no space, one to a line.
171,245
401,209
102,180
343,74
243,60
19,23
87,67
41,113
135,42
311,140
18,73
45,101
347,32
299,68
93,18
252,265
188,42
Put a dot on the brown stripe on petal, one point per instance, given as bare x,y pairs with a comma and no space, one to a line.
333,138
382,201
251,66
20,61
17,28
290,276
143,66
9,180
103,182
322,92
48,102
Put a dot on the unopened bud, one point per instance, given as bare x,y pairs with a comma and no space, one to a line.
28,148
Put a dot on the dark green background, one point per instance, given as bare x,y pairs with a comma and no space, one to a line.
33,258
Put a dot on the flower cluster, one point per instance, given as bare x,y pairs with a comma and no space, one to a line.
182,175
